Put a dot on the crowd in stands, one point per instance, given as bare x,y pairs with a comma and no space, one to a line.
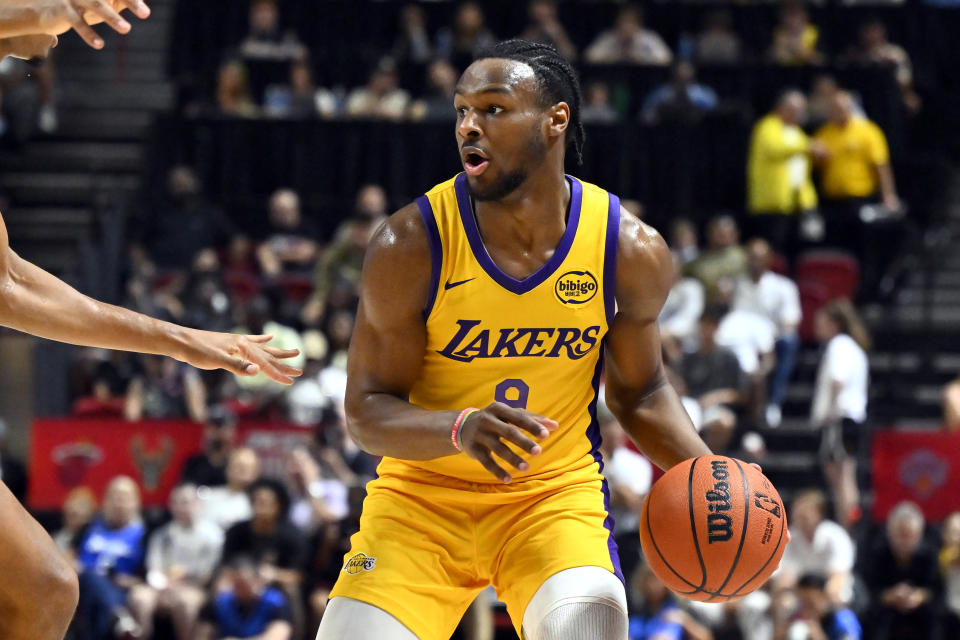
243,553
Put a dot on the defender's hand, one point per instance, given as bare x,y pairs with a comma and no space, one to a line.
242,355
58,16
486,432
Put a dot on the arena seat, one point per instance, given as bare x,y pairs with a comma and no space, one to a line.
838,271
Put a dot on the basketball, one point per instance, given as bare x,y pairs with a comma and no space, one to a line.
713,528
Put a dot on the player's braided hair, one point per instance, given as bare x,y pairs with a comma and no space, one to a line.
558,79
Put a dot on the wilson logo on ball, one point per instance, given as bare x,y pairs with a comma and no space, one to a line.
719,524
576,287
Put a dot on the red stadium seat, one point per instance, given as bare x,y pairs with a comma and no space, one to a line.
297,287
91,407
813,295
838,271
243,285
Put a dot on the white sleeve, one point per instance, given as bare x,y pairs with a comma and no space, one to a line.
790,312
842,553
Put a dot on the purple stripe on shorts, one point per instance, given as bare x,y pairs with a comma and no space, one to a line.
593,434
436,251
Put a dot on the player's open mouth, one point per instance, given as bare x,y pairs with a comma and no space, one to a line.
474,163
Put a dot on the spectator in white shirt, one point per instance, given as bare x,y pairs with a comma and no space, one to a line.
681,313
817,545
629,42
228,505
381,98
839,405
629,476
751,337
777,298
181,557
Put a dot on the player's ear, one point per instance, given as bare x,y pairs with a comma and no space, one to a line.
559,119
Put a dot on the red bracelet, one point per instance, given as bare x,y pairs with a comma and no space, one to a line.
455,431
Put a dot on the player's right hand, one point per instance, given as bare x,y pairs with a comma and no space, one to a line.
486,432
58,16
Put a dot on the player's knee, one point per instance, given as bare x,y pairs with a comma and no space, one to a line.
584,603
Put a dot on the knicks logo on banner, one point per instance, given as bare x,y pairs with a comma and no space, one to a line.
360,562
576,287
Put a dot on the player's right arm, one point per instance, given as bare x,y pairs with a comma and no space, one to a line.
386,355
35,302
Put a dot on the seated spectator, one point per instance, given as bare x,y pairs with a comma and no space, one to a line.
951,405
659,617
247,608
629,42
875,48
230,504
779,186
683,241
950,571
544,26
381,98
209,467
795,38
181,556
723,261
206,301
300,98
268,537
718,43
817,546
713,377
291,245
165,389
180,223
343,259
318,498
79,507
413,42
903,577
818,616
596,105
839,406
467,37
629,476
751,337
266,41
680,314
233,98
776,298
438,104
13,473
258,318
681,100
109,555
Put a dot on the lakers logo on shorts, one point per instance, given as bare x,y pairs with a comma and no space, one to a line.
576,287
360,562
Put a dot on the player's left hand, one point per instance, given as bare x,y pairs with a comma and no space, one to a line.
59,16
242,355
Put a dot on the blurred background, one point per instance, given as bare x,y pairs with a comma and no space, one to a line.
225,165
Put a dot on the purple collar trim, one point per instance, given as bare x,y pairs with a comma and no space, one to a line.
480,252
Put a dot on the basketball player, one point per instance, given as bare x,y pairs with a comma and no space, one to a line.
503,289
38,588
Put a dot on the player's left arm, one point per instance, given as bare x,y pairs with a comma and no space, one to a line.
638,392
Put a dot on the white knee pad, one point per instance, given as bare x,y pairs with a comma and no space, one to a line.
583,603
349,619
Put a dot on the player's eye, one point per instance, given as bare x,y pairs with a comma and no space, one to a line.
494,109
461,111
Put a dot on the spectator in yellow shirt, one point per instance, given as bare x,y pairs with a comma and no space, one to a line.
795,38
778,173
855,172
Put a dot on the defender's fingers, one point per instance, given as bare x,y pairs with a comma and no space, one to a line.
139,8
281,353
104,10
263,337
84,30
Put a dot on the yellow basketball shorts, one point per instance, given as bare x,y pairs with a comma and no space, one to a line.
426,549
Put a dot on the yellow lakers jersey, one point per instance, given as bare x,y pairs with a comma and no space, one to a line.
535,343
